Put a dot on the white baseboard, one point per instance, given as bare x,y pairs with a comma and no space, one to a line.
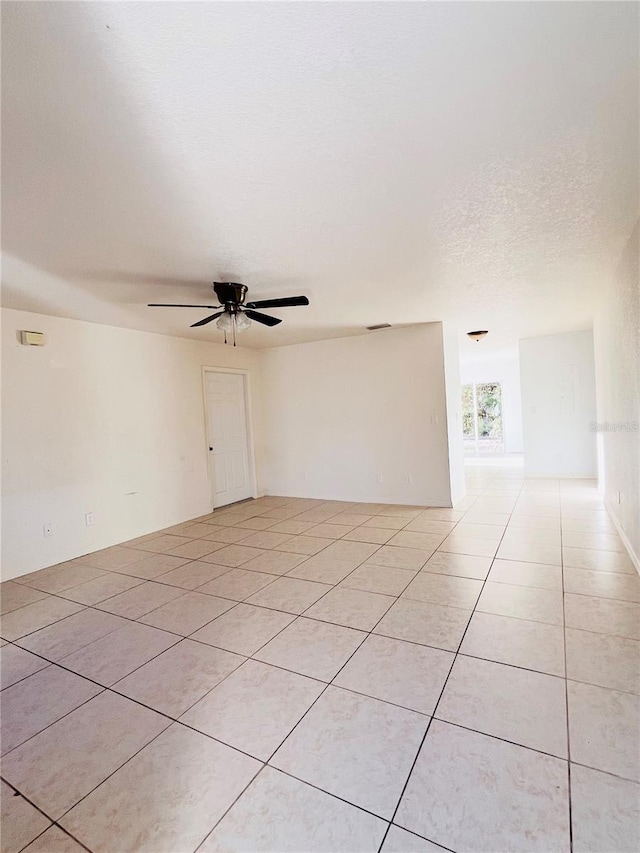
625,541
439,503
559,476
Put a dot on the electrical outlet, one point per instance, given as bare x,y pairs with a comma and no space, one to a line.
47,529
89,519
378,478
409,479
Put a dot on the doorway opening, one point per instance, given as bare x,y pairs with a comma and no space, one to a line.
482,423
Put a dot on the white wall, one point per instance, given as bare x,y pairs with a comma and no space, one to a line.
344,414
102,420
557,381
453,391
111,421
502,367
617,349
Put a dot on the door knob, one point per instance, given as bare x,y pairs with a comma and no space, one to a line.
211,448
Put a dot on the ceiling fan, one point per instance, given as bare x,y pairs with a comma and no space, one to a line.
236,314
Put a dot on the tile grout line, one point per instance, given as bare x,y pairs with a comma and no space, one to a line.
173,720
303,782
333,586
196,559
424,738
324,690
46,829
566,681
181,637
146,580
327,685
103,687
112,689
158,578
266,763
116,572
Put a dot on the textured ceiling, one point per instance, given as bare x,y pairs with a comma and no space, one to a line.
400,162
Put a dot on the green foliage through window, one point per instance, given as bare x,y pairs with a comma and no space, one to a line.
482,411
468,420
489,407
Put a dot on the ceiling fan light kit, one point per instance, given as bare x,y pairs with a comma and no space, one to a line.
225,323
242,321
236,314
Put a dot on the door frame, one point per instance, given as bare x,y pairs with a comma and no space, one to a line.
246,374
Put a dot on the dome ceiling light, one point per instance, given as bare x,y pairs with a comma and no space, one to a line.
479,335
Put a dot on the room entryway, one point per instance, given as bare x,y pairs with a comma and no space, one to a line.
228,441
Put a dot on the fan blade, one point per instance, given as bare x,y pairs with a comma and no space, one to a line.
206,320
178,305
263,318
285,302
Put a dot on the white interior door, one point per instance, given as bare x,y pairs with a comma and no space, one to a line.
227,436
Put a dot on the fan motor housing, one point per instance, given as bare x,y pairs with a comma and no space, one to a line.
230,292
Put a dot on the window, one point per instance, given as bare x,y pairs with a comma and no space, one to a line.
482,418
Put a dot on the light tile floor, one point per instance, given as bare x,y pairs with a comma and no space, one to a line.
303,675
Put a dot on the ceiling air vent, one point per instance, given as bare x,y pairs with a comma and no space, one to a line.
379,326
